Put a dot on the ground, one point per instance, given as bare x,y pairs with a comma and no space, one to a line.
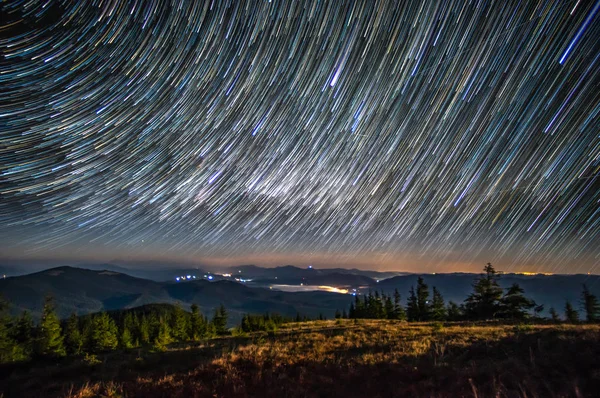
338,358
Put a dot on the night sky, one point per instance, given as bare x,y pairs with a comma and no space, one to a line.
422,135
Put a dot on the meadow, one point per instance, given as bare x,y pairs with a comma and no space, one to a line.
349,358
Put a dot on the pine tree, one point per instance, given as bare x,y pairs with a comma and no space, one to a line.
344,314
438,307
514,305
220,320
179,324
399,312
197,324
554,315
143,331
8,345
104,334
412,306
389,309
163,337
50,342
590,304
484,302
73,336
352,311
454,312
126,333
571,314
423,300
338,314
24,335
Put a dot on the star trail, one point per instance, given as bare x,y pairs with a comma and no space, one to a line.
460,130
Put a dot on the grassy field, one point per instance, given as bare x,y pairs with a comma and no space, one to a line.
338,358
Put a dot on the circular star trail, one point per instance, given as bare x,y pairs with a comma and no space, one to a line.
222,127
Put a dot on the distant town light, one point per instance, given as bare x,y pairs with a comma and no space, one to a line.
210,277
177,279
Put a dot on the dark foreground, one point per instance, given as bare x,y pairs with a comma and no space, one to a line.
343,358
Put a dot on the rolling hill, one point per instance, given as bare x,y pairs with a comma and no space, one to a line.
85,291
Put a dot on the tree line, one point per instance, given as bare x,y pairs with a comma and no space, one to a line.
487,301
21,340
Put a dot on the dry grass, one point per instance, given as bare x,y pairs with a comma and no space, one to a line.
347,358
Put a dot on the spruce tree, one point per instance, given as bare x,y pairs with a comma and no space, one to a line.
571,314
179,324
143,330
590,304
104,334
73,336
423,300
163,337
24,334
484,302
412,306
514,305
197,324
220,320
8,345
399,312
127,330
338,314
389,309
454,311
438,307
50,341
554,315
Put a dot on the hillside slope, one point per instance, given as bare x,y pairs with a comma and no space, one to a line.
85,291
342,359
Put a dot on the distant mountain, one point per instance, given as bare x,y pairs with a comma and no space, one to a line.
290,274
550,290
85,291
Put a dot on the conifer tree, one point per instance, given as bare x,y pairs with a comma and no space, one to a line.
484,302
197,324
590,304
352,311
514,305
126,333
144,336
454,312
7,343
220,320
179,324
399,312
389,308
24,335
438,307
554,315
412,306
104,334
50,342
163,337
338,314
73,336
344,314
571,314
423,300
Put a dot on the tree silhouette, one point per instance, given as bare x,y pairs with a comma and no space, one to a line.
220,320
438,307
590,304
571,314
554,315
484,302
514,305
